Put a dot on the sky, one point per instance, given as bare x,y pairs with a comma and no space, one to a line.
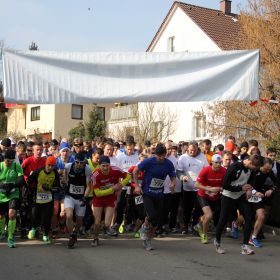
87,25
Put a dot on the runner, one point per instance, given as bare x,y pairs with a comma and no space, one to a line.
30,164
209,182
93,164
59,209
106,184
235,192
189,166
78,187
126,159
156,169
11,179
46,181
263,186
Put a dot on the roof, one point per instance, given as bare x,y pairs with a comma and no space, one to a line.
220,27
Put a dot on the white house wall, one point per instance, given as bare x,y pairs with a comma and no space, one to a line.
46,122
188,37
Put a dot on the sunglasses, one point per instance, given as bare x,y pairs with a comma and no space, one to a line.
29,151
78,145
9,160
79,162
217,162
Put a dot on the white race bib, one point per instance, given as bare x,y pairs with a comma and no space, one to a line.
43,197
254,199
157,183
73,189
138,199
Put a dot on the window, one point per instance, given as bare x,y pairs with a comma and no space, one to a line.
200,126
101,113
77,112
35,113
171,46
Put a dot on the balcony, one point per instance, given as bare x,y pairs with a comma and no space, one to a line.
123,112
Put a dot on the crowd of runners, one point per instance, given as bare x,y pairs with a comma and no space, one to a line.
111,187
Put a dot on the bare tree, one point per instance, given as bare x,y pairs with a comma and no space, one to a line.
152,121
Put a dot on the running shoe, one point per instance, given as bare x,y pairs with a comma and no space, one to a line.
204,238
149,246
198,229
32,234
255,242
95,242
246,250
185,230
111,232
46,239
11,243
218,247
72,241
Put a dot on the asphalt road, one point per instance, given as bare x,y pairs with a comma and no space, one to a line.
175,257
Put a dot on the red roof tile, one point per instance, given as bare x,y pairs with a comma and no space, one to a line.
221,28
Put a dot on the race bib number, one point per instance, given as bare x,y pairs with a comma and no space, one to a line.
76,189
254,199
138,199
43,197
156,183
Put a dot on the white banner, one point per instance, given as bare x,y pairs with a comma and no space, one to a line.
35,77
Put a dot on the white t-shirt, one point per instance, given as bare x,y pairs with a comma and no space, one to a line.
167,181
127,161
191,167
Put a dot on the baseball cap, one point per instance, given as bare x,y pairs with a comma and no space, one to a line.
217,158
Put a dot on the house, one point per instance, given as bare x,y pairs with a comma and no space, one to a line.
187,28
52,120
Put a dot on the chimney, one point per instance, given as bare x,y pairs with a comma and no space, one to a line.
225,7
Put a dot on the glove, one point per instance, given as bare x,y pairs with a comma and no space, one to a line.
83,202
